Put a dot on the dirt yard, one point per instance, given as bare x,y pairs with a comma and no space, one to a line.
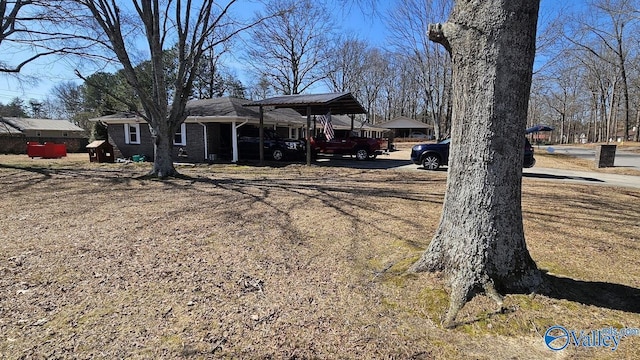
290,262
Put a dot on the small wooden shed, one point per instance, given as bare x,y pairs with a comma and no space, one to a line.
100,151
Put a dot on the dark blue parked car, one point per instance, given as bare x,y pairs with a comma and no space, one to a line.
432,156
275,147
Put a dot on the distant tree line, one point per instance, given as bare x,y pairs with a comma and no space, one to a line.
586,81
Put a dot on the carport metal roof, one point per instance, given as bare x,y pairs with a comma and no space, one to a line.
314,104
405,123
317,104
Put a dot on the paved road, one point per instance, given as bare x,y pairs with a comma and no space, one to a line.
623,158
584,177
399,161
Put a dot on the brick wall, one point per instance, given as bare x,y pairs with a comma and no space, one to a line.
195,145
194,148
116,134
13,145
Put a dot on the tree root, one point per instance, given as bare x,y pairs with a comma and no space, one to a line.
461,294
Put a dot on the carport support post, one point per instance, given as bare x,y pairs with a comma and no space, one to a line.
234,141
308,135
261,135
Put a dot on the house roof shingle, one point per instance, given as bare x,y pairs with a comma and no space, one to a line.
320,104
234,107
219,109
23,124
405,123
7,129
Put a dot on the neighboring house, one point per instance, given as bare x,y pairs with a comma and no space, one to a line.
16,132
619,137
208,133
343,122
403,127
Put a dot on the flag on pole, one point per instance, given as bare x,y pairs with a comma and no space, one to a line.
325,120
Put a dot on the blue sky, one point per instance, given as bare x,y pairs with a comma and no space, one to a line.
48,72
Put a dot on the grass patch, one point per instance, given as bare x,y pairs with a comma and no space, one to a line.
281,262
434,301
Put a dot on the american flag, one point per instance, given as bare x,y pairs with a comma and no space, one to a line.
325,120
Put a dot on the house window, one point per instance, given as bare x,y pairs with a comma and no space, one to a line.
181,135
64,134
132,133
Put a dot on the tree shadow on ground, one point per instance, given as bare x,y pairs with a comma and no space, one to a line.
348,162
28,176
344,197
596,293
38,170
560,177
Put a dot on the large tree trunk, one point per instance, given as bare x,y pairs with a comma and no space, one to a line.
162,134
480,241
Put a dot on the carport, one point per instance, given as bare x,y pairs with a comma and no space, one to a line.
402,126
307,105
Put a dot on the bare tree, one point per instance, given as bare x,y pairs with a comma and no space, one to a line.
386,82
600,81
409,24
189,27
19,32
480,240
564,88
261,89
345,72
292,50
635,96
401,94
211,80
375,74
70,96
603,33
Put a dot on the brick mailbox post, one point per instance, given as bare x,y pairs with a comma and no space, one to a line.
605,155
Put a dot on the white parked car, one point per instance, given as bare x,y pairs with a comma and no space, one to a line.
418,135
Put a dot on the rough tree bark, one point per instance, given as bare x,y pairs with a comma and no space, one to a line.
480,241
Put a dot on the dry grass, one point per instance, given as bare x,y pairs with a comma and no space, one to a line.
292,262
562,161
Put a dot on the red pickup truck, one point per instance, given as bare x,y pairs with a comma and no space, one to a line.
363,148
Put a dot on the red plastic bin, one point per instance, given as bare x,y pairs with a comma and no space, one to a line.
35,149
46,151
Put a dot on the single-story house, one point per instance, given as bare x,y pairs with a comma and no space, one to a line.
208,133
343,122
620,135
210,130
403,126
16,132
